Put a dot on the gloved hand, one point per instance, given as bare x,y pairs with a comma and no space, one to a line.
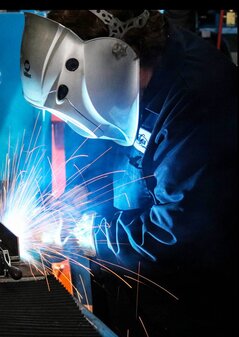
135,232
123,233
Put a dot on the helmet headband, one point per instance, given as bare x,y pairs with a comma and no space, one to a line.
118,28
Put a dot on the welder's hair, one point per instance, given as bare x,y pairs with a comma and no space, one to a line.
148,41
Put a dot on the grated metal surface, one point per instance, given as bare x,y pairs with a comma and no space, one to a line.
29,308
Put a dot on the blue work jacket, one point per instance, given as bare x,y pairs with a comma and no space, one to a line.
177,196
175,208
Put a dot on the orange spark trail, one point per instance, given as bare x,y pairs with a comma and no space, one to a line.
145,278
137,292
146,332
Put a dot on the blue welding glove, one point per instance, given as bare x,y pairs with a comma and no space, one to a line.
125,232
135,232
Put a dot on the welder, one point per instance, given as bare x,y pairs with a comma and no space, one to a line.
167,102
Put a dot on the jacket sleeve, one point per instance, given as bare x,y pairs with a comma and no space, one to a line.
186,157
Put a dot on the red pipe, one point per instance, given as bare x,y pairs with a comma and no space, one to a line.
58,157
219,34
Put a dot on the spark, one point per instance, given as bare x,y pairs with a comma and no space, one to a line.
146,332
45,224
134,279
36,217
141,276
104,268
137,291
83,285
115,190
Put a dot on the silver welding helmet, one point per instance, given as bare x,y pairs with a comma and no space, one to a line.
92,85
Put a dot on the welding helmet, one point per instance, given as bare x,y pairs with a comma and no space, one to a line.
92,85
